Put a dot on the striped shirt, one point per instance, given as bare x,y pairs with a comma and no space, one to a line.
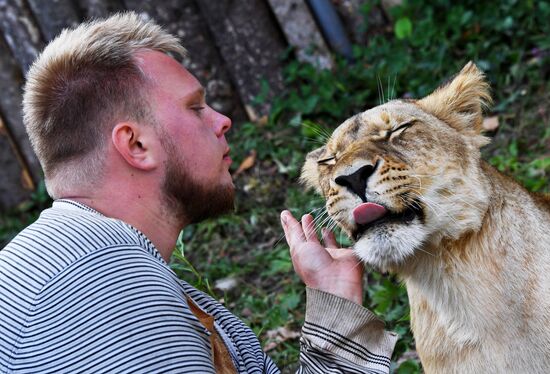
81,292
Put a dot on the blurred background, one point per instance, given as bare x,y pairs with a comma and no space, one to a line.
288,73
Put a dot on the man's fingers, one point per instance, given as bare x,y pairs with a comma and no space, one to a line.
293,230
329,239
309,228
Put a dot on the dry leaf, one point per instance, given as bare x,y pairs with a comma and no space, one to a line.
251,113
269,346
279,335
262,121
247,163
490,123
409,355
246,312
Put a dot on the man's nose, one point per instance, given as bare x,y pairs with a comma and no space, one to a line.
356,181
222,123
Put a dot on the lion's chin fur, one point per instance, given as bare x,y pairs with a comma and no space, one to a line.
388,253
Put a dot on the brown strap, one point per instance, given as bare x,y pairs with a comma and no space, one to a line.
220,355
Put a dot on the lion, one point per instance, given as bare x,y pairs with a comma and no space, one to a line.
405,180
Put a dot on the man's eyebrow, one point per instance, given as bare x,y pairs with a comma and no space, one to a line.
199,93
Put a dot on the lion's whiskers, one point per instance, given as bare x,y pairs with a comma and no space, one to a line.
283,235
454,197
315,141
380,90
321,132
432,204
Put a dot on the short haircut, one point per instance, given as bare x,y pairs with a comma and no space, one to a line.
85,81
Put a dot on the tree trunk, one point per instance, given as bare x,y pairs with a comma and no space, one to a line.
361,26
99,8
10,108
252,46
15,184
301,32
20,32
183,19
54,16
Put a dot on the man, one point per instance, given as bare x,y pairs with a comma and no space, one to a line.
132,153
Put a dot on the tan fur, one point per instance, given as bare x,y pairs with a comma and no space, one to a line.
476,260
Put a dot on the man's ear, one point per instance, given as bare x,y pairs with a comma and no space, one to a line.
460,102
134,143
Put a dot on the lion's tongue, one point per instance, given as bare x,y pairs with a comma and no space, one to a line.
368,212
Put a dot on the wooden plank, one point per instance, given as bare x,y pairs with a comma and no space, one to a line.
54,16
10,107
302,32
20,32
251,44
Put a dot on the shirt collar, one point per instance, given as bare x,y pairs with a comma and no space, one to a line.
68,204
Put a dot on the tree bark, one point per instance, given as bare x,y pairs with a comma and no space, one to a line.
360,26
54,16
183,19
14,181
301,32
10,107
251,44
99,8
20,32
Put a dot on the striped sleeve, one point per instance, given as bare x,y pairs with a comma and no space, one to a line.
114,310
340,336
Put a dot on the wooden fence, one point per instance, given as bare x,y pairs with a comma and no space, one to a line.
233,46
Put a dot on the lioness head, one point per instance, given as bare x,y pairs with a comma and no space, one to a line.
406,173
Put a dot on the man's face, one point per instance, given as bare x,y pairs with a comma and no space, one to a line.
197,183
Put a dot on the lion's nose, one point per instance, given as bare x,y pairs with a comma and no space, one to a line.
357,181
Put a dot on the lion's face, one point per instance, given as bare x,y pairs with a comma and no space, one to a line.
405,173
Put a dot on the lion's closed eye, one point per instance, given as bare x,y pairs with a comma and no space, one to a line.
331,160
400,129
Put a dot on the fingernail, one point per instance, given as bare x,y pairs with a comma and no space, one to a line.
283,217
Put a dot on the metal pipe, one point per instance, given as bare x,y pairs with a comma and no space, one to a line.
331,27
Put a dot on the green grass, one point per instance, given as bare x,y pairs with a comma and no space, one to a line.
13,221
429,42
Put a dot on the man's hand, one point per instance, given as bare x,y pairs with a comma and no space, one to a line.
332,269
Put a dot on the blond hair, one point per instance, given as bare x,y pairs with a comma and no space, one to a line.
85,81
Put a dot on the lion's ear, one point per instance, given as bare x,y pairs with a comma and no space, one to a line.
460,102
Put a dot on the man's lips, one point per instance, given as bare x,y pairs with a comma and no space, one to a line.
226,157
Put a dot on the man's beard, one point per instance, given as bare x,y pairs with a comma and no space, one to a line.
188,200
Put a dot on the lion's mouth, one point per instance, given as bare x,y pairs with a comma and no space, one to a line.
404,217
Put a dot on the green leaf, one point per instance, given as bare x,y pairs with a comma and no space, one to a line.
310,103
409,367
291,301
403,28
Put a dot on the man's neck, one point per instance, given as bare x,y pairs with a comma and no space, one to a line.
159,227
